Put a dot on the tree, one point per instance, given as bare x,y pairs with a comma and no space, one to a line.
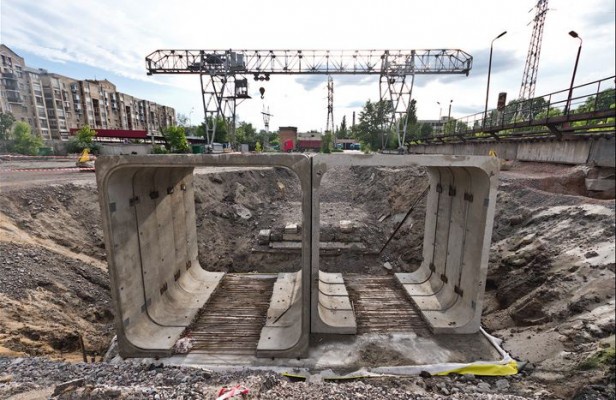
6,121
24,142
343,131
182,119
413,128
221,135
175,138
326,143
426,131
246,134
373,129
83,139
602,101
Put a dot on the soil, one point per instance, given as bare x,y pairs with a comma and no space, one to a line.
550,291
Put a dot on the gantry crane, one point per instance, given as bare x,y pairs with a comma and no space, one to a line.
224,84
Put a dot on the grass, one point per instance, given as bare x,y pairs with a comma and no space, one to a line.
602,357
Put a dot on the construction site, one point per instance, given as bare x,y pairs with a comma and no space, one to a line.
549,281
473,262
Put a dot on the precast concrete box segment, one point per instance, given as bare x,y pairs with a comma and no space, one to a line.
448,287
157,284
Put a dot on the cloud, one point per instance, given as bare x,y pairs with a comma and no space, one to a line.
355,104
115,47
311,82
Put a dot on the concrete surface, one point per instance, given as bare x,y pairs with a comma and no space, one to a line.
449,285
148,212
593,151
158,286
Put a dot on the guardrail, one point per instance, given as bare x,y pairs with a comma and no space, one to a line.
590,109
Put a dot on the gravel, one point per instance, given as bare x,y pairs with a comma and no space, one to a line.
132,379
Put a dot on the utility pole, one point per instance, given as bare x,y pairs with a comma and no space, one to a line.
330,109
529,79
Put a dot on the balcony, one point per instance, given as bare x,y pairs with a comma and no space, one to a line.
14,97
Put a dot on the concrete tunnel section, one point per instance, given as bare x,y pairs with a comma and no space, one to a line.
159,287
157,284
449,285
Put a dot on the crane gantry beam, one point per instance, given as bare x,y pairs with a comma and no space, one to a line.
223,73
329,62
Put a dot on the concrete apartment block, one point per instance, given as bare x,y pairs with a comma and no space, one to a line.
158,285
53,104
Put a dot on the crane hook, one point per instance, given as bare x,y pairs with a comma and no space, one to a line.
262,91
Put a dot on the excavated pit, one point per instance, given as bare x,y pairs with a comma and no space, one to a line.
546,245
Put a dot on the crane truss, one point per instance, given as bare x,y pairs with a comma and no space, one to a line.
224,83
529,78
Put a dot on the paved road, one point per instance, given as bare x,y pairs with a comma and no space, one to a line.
23,173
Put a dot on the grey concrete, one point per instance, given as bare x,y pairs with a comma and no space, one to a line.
448,287
563,152
602,152
282,330
118,149
412,354
147,207
597,152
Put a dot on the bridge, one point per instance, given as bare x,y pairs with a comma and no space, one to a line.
551,128
589,111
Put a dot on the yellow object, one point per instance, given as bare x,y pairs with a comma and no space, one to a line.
492,153
511,368
85,156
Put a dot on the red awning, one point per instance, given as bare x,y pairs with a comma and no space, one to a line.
118,133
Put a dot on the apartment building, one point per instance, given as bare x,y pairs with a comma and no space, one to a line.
14,91
54,105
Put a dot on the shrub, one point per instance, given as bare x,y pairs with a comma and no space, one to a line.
83,139
158,149
24,142
175,136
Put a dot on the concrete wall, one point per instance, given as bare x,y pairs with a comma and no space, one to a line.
158,285
600,152
112,149
448,287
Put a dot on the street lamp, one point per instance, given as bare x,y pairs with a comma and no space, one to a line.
574,35
192,110
440,110
452,127
485,113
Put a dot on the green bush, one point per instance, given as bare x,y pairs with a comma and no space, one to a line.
83,139
158,149
24,142
175,136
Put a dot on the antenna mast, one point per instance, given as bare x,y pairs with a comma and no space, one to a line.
529,80
330,108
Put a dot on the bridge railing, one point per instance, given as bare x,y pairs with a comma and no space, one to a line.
590,102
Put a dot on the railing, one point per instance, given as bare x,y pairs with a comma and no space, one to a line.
591,106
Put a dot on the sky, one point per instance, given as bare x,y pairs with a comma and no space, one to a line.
110,39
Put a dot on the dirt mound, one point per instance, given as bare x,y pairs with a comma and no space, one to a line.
550,289
48,300
69,215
